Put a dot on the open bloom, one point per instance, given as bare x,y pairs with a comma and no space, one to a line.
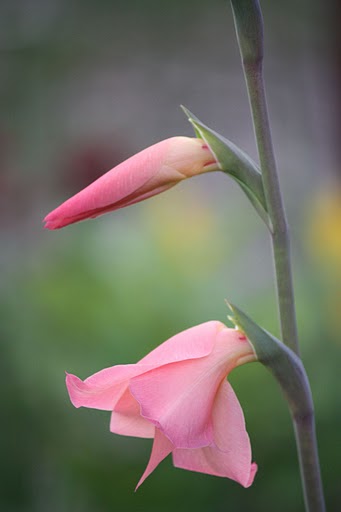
178,395
146,174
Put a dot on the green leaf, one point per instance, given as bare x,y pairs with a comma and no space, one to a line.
235,162
282,362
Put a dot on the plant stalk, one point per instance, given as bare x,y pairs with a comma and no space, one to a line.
279,232
304,427
249,28
309,463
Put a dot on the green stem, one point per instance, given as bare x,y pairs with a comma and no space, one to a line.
309,463
249,27
279,232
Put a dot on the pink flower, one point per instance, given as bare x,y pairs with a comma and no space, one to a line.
146,174
179,396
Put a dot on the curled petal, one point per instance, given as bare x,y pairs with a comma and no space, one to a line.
178,401
178,398
230,435
126,418
230,454
103,389
212,462
161,448
192,343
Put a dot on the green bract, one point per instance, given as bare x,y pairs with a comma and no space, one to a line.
235,162
283,363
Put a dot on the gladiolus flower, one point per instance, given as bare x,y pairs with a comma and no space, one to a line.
146,174
178,395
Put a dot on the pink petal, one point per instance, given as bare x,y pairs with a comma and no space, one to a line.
178,398
192,343
127,420
229,424
103,389
148,173
161,448
106,192
230,457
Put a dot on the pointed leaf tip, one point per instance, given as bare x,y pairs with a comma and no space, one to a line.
235,162
189,114
192,119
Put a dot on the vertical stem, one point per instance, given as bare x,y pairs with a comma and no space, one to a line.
304,426
309,463
280,233
249,28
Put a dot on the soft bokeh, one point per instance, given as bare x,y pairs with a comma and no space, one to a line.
85,85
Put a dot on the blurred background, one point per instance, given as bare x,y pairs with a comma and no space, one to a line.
85,85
